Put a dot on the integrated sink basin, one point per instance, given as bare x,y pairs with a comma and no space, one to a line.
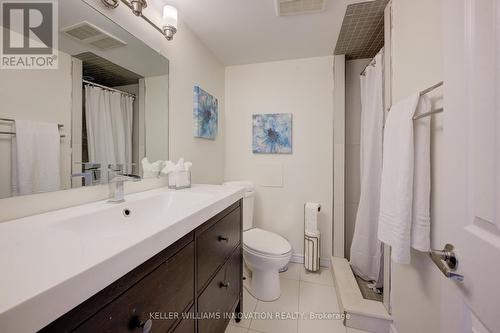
154,209
63,257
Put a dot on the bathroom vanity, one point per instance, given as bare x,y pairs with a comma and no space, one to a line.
192,284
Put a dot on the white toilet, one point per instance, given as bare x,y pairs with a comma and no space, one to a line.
264,252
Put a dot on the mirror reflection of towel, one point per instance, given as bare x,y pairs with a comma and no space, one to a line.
35,158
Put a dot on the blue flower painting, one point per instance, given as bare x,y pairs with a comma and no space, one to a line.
272,133
205,114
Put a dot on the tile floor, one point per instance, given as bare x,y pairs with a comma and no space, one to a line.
301,292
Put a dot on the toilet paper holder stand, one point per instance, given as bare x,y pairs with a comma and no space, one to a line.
311,244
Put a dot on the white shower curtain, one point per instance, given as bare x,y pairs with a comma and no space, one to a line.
366,248
109,127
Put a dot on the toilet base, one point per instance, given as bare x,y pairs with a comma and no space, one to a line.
265,285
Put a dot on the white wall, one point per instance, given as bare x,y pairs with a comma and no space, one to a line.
302,87
352,142
338,162
191,63
418,295
37,95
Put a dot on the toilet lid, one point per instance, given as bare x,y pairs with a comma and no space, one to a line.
266,242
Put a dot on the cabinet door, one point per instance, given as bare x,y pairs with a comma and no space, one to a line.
216,244
187,324
220,297
168,289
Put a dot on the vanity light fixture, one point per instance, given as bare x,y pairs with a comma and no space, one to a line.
138,6
169,22
111,3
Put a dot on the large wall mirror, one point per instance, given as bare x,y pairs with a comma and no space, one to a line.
106,104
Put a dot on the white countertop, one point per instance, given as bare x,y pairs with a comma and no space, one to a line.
54,261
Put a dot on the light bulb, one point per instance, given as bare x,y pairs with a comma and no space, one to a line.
169,21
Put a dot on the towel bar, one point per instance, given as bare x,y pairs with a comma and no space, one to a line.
12,120
14,133
422,93
428,113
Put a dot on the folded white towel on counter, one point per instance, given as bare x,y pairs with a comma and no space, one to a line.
151,170
168,168
179,174
404,220
36,156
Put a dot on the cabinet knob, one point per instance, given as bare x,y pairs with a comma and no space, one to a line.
146,326
224,284
222,238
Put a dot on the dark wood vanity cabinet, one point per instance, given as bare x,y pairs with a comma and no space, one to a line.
194,285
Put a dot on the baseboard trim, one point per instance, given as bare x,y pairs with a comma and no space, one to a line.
299,259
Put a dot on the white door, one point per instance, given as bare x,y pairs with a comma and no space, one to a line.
472,144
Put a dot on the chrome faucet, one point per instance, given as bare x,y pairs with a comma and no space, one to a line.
116,179
86,176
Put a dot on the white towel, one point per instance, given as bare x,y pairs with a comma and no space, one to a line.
421,216
151,170
404,220
35,158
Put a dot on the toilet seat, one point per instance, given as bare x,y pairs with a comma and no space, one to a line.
265,243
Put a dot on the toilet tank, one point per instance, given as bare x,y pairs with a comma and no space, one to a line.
248,202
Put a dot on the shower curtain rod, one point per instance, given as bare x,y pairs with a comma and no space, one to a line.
108,88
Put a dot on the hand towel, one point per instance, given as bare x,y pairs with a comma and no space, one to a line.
405,185
35,158
151,170
421,219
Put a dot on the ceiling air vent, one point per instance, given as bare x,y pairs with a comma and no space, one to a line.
297,7
88,33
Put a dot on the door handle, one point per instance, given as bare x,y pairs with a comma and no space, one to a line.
447,262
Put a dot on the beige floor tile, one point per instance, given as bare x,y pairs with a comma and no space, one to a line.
324,276
235,329
320,326
353,330
320,300
293,272
288,303
317,298
249,303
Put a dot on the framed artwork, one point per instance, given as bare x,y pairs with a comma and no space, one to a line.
272,133
205,114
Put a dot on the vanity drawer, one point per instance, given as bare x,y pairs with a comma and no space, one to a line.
221,295
216,243
169,288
